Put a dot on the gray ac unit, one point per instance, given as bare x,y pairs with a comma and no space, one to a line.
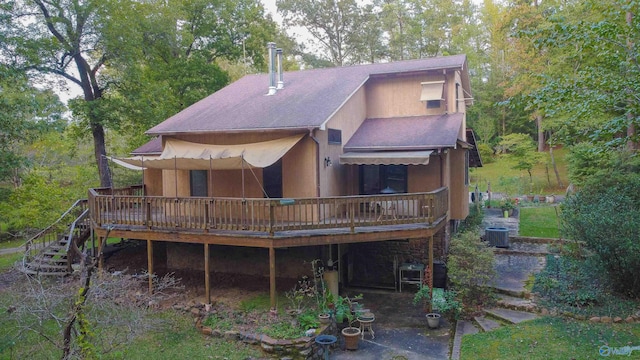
497,236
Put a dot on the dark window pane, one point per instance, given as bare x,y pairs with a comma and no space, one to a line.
335,136
198,183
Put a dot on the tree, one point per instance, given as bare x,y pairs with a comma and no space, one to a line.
333,24
521,149
70,40
26,113
127,56
598,100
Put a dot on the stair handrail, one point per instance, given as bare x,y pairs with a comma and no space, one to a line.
72,249
28,245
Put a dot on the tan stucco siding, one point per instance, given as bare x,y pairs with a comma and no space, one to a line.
153,182
399,96
459,191
424,178
334,178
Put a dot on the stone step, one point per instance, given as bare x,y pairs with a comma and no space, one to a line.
486,324
516,303
511,316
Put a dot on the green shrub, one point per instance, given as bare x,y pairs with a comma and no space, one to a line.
471,267
473,220
606,216
486,153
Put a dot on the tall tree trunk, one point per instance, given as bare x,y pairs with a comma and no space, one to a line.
631,130
100,152
540,133
555,167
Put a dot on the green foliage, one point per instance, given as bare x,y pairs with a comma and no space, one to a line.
605,215
215,321
585,160
521,149
309,320
473,220
548,338
486,153
571,284
36,204
470,268
442,301
282,330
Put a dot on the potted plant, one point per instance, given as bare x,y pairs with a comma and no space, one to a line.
325,302
343,311
507,205
424,296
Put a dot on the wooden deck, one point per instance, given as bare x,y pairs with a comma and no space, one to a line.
269,223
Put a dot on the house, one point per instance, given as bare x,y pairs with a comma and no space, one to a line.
364,165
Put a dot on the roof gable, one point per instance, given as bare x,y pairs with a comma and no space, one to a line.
308,99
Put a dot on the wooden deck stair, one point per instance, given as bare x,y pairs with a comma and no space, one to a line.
51,252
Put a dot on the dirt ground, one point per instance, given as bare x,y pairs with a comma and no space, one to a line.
131,257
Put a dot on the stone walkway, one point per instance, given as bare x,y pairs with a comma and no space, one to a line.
515,266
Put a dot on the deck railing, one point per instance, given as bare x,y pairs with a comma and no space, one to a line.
129,207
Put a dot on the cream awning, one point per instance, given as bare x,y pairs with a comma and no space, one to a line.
432,90
386,158
184,155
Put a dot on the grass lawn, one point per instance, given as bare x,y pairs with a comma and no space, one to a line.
551,338
505,179
539,221
7,261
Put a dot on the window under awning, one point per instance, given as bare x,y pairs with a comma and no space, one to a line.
432,90
386,158
184,155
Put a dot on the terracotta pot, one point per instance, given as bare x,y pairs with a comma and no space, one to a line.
324,318
433,320
351,338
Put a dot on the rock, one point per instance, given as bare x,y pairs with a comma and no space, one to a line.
629,319
544,311
617,319
605,319
231,335
195,311
595,319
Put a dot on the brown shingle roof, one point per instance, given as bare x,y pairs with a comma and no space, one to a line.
153,147
308,99
407,133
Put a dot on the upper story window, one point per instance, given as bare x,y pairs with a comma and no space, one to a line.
434,104
335,136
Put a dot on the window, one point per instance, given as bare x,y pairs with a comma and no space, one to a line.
335,136
198,183
375,178
272,180
433,104
466,167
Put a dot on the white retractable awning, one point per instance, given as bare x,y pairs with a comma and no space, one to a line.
432,90
184,155
386,158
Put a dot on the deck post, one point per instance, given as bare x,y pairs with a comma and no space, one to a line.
100,256
150,264
207,279
272,278
431,258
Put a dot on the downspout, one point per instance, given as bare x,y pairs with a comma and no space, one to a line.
311,130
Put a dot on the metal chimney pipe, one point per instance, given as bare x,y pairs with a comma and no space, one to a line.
280,73
271,46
